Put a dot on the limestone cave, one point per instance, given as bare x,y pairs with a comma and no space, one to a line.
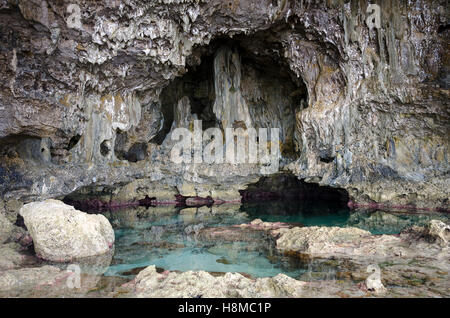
327,122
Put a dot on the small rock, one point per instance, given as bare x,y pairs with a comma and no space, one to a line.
438,231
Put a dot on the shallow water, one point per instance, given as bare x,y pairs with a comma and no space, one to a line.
166,237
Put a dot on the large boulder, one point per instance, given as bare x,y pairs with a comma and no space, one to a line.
60,233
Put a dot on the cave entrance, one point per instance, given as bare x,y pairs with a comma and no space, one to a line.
287,187
283,197
236,82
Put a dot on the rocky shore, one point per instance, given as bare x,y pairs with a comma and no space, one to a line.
355,262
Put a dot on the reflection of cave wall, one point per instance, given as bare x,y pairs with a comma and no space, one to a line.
267,95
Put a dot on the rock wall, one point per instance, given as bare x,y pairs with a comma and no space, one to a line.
80,94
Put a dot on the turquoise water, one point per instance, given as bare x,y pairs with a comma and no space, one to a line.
167,238
163,241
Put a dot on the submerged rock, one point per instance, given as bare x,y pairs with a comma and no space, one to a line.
230,234
60,233
257,230
53,281
379,221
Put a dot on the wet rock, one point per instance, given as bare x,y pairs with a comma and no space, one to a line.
10,232
30,280
255,231
357,244
147,201
317,240
194,201
61,233
191,284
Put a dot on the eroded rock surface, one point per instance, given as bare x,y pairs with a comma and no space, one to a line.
89,103
361,108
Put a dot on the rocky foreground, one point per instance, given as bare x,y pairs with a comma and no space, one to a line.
352,262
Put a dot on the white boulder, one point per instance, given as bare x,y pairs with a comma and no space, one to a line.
60,233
